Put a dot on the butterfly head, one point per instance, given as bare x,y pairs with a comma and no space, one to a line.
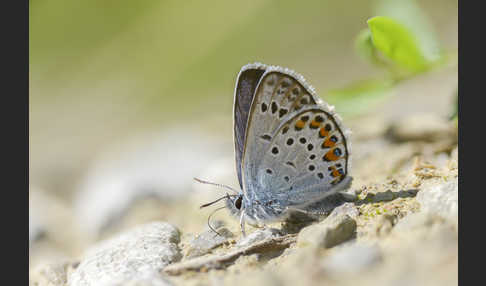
235,204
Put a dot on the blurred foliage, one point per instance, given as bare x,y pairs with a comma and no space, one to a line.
152,56
455,112
403,44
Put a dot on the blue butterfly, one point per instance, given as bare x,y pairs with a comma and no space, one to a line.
291,149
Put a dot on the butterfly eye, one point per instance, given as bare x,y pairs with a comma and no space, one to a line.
238,203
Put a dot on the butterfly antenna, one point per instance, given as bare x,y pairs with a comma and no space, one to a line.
215,201
217,185
209,218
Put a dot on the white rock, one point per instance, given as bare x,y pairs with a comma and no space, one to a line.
351,259
129,257
336,228
441,199
52,274
204,242
256,236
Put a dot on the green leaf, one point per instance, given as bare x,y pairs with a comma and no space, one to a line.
397,43
364,45
360,96
366,50
410,14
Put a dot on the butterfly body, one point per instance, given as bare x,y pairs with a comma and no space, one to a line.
291,149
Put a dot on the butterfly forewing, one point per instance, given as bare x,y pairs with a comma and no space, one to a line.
244,92
294,146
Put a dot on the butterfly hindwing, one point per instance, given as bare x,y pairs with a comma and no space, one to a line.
294,144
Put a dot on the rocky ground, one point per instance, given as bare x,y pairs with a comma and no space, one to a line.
396,225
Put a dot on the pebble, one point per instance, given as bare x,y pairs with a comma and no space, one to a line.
332,231
257,236
420,127
440,199
206,241
131,256
351,259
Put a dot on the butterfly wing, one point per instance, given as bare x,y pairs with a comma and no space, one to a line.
246,84
295,148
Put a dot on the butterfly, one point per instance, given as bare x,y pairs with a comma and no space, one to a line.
291,149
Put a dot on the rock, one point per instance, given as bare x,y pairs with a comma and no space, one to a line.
217,261
350,259
204,242
383,225
258,235
131,256
420,127
347,209
51,274
440,199
333,230
416,221
150,278
255,277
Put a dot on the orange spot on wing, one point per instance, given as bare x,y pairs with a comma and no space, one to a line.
335,173
300,124
328,143
330,156
323,132
314,124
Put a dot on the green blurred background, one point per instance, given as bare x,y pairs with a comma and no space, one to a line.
103,71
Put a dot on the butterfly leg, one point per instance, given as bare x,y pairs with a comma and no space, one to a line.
242,223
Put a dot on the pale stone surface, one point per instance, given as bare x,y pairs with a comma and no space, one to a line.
50,274
352,258
441,199
132,255
328,233
204,242
257,236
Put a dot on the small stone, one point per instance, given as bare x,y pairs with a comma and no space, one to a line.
416,221
131,256
420,127
347,208
328,233
148,279
257,236
351,259
441,199
53,274
204,242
